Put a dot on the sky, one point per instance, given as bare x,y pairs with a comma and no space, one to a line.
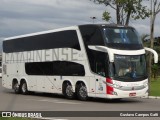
19,17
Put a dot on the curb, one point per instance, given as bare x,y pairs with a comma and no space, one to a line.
151,97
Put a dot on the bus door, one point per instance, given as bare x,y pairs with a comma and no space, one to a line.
100,78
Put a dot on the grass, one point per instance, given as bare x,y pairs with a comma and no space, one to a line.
155,87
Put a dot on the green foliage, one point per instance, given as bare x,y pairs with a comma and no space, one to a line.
106,16
139,11
155,87
125,9
155,69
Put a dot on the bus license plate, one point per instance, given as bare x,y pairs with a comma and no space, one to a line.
132,94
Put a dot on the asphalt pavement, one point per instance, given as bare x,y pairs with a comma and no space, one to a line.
9,101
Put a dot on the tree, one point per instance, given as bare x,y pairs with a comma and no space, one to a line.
155,69
106,16
125,9
155,9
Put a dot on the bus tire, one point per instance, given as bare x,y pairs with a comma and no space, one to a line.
24,89
82,92
68,90
16,87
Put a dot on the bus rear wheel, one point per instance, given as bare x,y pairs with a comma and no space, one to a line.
24,88
68,91
82,92
16,87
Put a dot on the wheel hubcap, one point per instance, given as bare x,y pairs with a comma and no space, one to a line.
16,87
24,87
83,91
69,90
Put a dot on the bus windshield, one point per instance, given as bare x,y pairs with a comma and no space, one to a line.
122,38
130,68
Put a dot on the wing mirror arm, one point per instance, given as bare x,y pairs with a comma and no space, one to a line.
154,53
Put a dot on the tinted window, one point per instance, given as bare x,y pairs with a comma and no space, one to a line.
62,39
65,68
122,38
39,68
98,62
92,35
62,68
121,35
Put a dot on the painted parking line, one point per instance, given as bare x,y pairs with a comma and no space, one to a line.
67,102
43,100
54,101
60,119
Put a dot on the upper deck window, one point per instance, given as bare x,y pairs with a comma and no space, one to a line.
121,35
125,38
61,39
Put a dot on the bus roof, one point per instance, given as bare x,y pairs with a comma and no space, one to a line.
41,32
61,29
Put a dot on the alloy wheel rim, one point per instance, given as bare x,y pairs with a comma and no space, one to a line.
24,87
69,90
83,91
16,86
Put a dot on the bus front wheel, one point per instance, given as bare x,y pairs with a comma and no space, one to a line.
82,92
24,88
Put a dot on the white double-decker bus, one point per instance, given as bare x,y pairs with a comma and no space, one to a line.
105,61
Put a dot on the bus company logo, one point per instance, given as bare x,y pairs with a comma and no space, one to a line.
6,114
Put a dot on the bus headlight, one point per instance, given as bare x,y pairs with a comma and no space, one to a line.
116,86
109,82
114,93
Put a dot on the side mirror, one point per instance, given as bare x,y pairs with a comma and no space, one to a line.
154,53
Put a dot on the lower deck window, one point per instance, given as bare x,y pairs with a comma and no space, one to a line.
59,68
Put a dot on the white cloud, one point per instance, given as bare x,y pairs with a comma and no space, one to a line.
23,16
140,27
1,39
26,16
